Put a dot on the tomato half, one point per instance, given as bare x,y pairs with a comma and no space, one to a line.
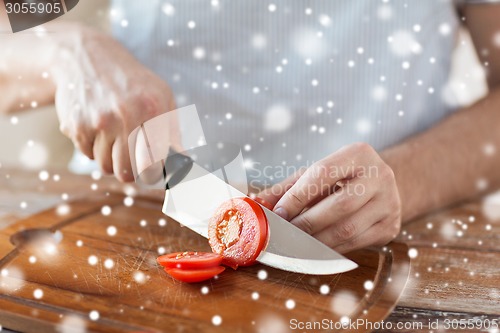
190,260
238,232
194,275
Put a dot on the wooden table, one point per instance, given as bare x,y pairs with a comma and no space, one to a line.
455,265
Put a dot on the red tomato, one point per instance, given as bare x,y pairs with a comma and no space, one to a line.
238,231
190,260
194,275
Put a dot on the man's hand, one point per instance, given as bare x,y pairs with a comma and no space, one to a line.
349,200
102,94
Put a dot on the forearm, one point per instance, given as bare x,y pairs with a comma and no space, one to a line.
456,160
24,57
28,59
24,78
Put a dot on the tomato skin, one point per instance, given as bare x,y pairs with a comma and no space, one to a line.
190,260
244,249
194,275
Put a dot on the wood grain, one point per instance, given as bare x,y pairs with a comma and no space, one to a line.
469,288
136,295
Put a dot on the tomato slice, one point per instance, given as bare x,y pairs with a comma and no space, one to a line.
238,231
194,275
190,260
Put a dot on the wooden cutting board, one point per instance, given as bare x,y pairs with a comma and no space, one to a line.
91,264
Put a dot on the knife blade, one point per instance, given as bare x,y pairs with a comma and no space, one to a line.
199,177
193,201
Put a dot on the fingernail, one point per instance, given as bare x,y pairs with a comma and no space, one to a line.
281,212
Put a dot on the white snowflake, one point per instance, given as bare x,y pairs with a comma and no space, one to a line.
325,20
307,44
489,149
343,302
109,263
96,175
379,93
491,206
368,285
72,324
262,274
412,253
94,315
496,39
324,289
38,293
363,126
259,41
216,320
277,118
271,323
106,210
11,279
199,53
63,209
444,29
128,201
92,260
403,43
168,9
43,175
384,12
139,277
33,155
482,184
111,230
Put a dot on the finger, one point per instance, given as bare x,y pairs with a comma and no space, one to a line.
71,122
336,207
379,234
272,194
103,145
320,178
83,140
121,161
351,227
147,171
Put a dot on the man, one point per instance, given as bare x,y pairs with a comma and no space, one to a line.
294,85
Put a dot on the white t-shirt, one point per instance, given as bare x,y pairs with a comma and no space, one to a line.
293,81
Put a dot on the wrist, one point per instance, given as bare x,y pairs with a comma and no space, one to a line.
408,181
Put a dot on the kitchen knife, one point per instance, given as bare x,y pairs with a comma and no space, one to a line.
199,177
193,201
